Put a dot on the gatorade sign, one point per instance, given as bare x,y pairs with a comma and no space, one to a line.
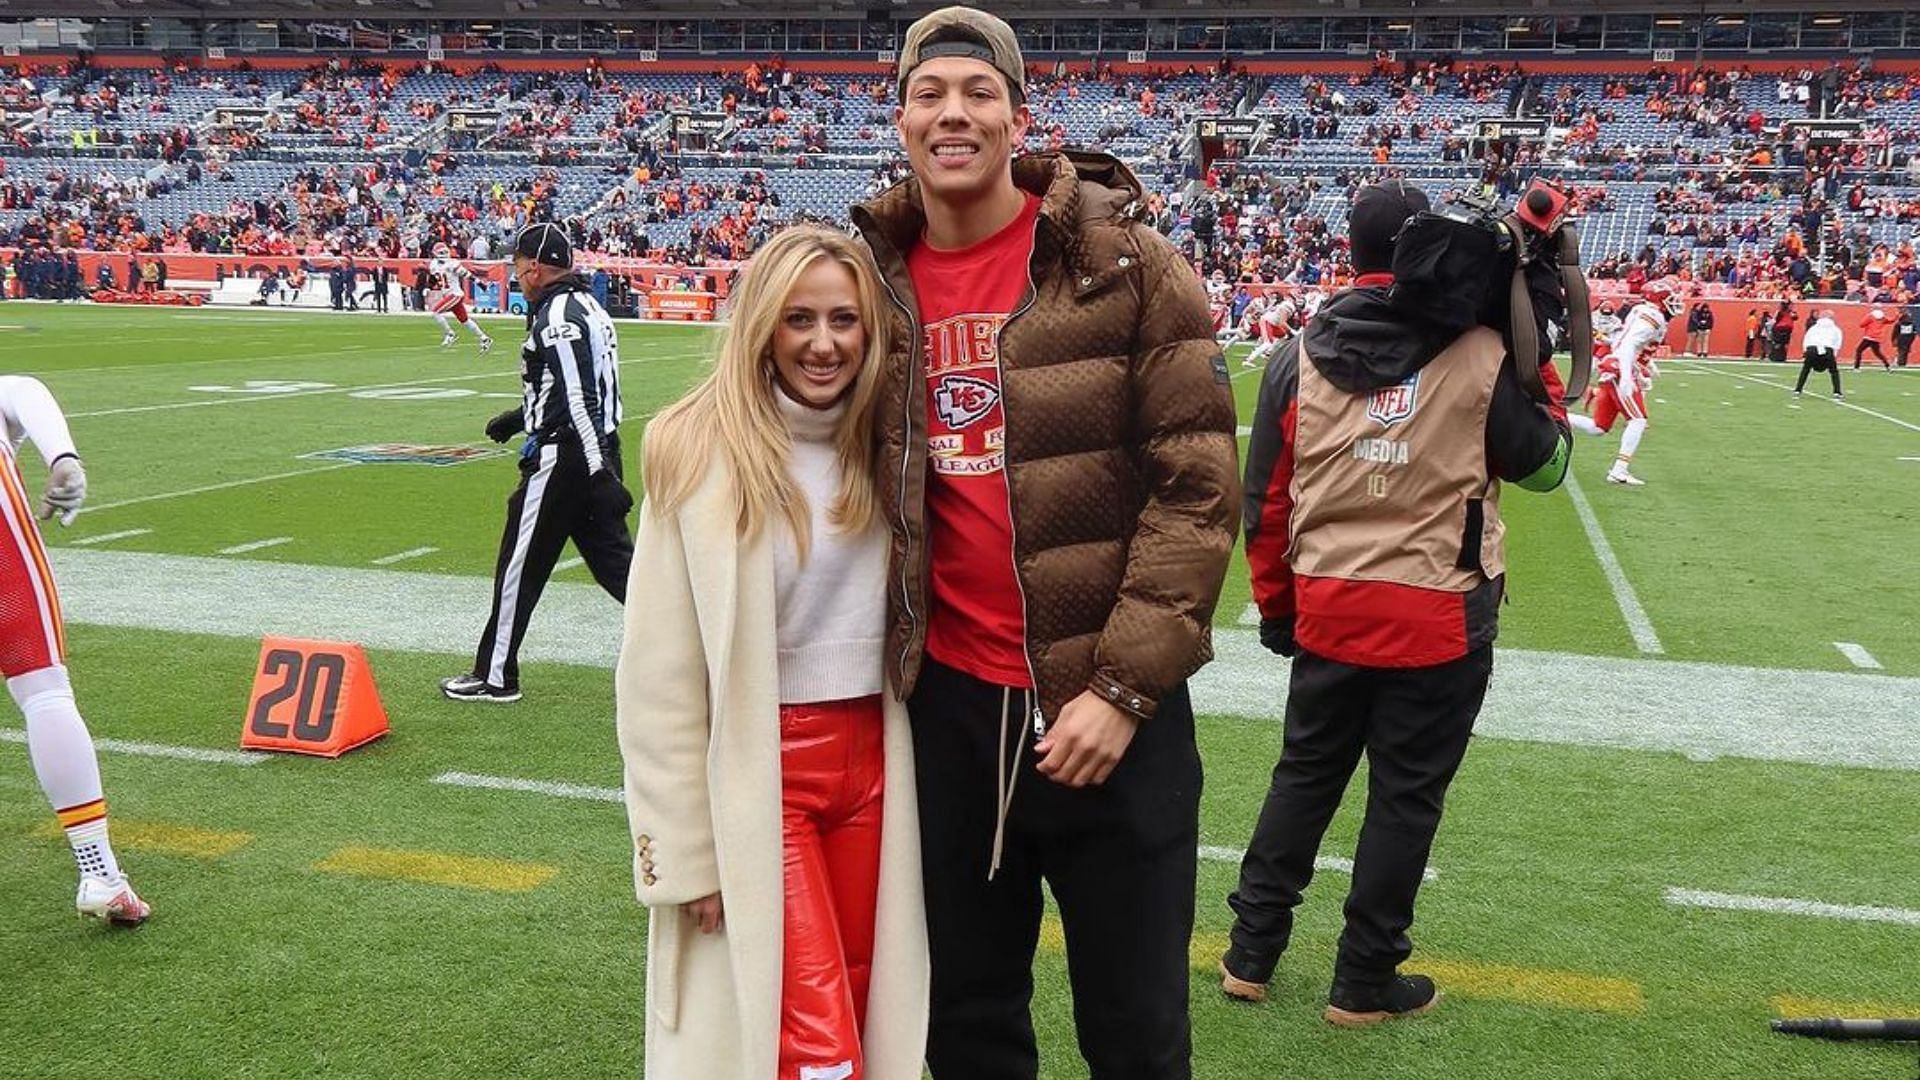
312,697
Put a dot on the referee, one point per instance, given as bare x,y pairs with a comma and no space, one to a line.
570,486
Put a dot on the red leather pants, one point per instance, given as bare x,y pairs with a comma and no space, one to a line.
832,767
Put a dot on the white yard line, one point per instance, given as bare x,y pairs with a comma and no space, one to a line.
106,538
146,749
1638,624
568,564
1782,905
165,495
256,545
403,556
1700,710
1251,616
1330,863
535,787
1857,654
1842,404
239,399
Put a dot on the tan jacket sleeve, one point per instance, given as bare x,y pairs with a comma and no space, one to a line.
661,699
1160,630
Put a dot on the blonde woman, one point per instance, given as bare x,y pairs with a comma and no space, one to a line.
769,775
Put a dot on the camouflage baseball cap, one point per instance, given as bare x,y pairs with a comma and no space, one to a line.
965,32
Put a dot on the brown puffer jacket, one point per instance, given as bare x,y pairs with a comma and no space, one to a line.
1121,459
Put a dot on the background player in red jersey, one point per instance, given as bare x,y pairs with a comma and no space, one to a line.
447,295
33,647
1626,370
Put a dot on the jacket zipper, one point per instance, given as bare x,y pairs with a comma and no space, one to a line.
1006,459
906,529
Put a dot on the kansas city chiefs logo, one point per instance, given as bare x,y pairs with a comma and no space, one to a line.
1390,405
961,400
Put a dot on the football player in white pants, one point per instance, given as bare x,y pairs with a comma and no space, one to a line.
1276,326
1626,370
33,648
447,295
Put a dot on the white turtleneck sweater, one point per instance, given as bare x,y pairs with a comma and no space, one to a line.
832,610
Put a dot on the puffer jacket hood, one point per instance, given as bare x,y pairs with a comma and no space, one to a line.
1359,342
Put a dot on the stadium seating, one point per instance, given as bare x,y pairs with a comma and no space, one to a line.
129,135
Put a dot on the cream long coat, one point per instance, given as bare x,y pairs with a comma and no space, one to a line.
698,700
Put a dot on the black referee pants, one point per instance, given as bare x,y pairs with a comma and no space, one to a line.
549,508
1818,360
1119,858
1413,724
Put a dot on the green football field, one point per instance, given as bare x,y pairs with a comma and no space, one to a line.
1690,808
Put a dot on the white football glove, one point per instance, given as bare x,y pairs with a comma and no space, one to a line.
66,490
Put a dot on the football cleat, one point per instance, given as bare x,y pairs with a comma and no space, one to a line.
486,345
446,342
1622,476
112,899
472,687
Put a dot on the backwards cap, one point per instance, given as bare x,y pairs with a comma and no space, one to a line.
964,32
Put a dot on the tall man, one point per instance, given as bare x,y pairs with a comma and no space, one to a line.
33,647
1061,432
570,487
1375,543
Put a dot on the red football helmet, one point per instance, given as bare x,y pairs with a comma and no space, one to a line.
1663,294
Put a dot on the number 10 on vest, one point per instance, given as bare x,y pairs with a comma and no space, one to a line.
312,697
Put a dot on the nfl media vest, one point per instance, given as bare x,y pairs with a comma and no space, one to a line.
1393,485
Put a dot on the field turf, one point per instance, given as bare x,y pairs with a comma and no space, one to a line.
368,917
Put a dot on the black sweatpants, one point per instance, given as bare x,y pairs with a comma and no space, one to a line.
1818,360
1861,350
1119,858
1413,724
549,508
1902,349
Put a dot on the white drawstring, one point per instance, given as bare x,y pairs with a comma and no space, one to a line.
1004,782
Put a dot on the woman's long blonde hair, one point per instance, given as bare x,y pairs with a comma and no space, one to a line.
732,413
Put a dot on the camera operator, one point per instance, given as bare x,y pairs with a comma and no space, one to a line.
1376,548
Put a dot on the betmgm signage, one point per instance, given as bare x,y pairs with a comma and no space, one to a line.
475,121
1227,136
698,130
240,116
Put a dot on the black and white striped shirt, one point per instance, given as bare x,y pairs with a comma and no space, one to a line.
570,371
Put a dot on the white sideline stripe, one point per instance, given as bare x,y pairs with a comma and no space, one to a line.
109,537
1858,654
568,564
1243,431
1910,459
1702,710
1251,616
536,787
237,399
1330,863
1782,905
1842,404
165,495
403,556
256,545
1637,622
146,749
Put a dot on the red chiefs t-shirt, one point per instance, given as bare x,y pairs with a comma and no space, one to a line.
976,624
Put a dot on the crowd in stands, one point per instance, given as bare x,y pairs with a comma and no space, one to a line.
1735,206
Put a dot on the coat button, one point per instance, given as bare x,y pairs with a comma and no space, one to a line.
1088,280
1125,261
1134,702
649,879
644,839
1113,693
